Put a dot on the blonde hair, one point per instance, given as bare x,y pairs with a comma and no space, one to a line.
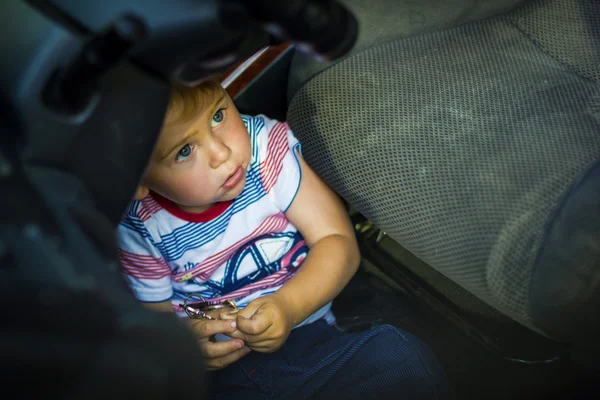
185,102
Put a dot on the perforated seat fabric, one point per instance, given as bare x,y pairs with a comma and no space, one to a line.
384,20
477,149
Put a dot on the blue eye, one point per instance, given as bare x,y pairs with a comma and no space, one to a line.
217,118
184,153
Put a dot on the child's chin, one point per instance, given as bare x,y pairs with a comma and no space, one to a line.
233,193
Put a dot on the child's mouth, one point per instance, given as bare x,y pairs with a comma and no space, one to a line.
234,178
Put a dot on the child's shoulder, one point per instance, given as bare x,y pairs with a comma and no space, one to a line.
266,135
143,209
139,215
259,122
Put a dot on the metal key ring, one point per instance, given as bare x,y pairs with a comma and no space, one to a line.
201,311
193,312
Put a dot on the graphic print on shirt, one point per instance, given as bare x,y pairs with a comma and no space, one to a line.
275,255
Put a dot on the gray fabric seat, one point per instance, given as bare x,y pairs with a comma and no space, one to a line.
477,148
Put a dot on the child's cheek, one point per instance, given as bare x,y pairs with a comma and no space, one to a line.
193,186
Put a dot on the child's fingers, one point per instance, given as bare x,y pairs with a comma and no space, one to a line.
251,308
212,364
219,349
256,325
230,315
205,328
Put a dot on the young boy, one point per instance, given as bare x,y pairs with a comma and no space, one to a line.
228,209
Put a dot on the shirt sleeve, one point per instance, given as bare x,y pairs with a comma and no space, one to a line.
279,166
147,273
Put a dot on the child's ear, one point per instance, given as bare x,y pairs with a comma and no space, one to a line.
141,192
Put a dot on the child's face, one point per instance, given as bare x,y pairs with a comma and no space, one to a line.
203,161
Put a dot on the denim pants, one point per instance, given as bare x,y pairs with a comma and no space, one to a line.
318,361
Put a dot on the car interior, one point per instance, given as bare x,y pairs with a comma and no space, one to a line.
464,139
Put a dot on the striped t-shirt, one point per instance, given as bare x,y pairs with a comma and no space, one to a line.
237,250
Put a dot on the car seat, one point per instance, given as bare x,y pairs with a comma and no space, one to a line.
469,131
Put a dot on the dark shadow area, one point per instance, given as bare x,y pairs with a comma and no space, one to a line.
475,372
267,96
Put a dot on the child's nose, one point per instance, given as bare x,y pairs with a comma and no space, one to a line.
219,152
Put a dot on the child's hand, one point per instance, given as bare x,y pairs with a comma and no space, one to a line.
218,355
264,324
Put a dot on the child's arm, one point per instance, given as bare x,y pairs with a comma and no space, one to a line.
332,260
216,355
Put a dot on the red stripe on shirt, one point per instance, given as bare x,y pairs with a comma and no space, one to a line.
204,270
148,207
280,150
151,204
277,148
273,280
142,266
276,279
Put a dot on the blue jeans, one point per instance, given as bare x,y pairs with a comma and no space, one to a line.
319,361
